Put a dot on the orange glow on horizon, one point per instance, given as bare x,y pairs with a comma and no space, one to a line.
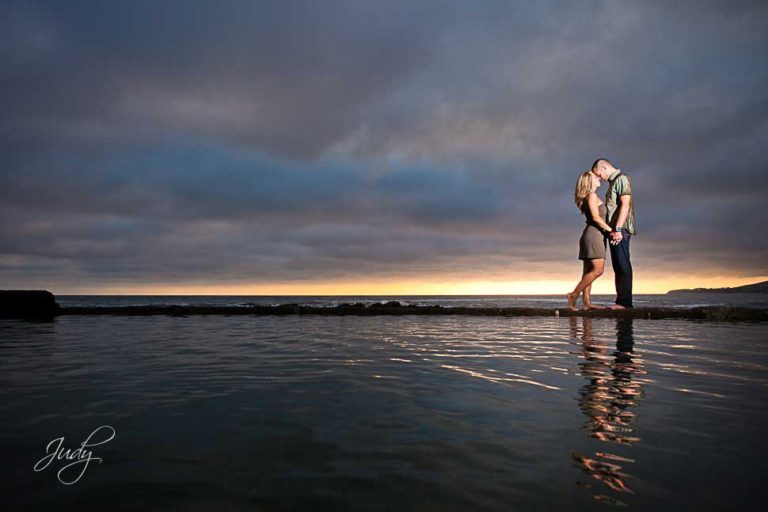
409,287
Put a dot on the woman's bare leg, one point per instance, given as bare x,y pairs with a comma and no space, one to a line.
592,270
587,299
572,301
573,297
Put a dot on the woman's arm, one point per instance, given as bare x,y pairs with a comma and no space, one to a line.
594,212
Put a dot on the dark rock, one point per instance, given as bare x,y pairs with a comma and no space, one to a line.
287,309
721,314
347,306
28,304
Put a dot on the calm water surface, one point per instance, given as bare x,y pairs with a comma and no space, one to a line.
386,413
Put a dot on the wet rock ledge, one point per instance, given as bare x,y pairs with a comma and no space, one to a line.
395,308
42,304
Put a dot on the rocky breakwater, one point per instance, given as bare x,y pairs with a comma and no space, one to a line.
396,308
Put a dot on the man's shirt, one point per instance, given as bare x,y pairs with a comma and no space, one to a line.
619,184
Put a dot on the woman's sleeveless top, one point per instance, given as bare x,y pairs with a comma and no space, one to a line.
602,211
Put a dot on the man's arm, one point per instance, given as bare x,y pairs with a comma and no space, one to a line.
623,189
624,202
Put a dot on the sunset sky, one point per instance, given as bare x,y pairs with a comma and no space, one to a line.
375,147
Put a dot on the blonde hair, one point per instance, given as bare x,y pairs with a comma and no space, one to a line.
583,189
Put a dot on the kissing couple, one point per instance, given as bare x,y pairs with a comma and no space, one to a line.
610,222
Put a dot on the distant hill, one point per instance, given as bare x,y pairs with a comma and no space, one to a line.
748,288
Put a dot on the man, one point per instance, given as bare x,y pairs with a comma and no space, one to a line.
621,218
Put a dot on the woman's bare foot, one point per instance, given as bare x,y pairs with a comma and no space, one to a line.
571,302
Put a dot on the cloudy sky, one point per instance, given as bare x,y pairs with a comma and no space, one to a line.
332,147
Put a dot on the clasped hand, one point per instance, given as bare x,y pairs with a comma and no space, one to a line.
615,238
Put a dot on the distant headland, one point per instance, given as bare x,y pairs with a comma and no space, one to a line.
748,288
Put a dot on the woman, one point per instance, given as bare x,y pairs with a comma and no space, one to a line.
592,241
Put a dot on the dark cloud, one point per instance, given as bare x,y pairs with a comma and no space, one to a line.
204,141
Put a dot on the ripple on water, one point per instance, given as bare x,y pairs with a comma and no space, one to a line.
484,413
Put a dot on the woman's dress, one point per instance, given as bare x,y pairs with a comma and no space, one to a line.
592,242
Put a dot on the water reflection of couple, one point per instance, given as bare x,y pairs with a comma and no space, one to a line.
613,220
612,388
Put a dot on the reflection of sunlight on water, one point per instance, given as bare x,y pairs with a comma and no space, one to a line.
482,355
698,392
612,387
512,377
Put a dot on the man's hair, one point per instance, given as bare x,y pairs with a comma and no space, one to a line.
597,162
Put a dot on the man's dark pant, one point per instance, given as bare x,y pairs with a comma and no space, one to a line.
622,270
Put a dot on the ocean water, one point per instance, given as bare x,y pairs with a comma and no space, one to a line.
406,413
